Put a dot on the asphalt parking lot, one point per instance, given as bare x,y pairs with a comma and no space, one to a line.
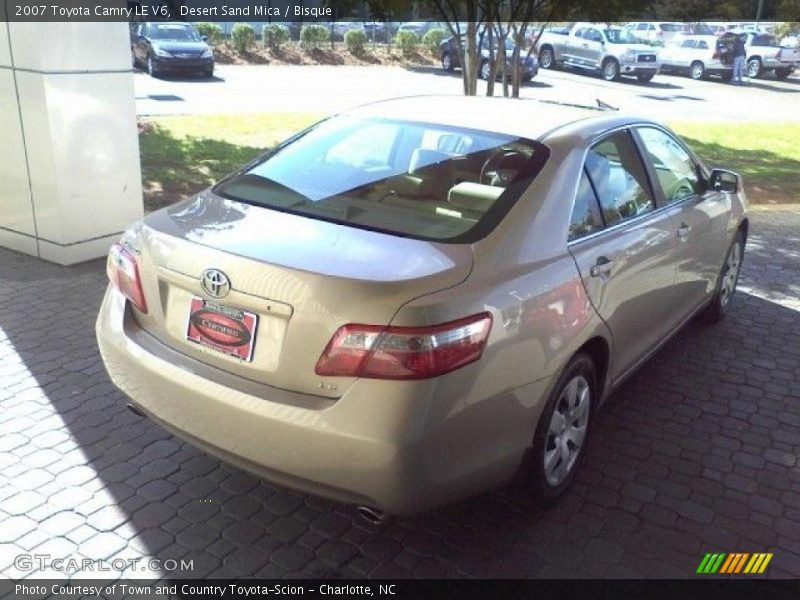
699,452
328,89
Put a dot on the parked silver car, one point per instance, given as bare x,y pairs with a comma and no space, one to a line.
421,298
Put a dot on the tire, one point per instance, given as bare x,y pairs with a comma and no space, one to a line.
208,73
555,459
547,59
134,61
754,68
151,66
484,70
782,73
697,70
726,283
610,70
447,62
645,78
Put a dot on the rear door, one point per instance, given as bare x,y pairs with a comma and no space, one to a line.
626,260
700,214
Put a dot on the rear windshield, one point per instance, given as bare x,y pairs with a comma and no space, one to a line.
671,27
765,40
412,179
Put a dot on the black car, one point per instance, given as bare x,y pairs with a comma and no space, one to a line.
451,59
163,46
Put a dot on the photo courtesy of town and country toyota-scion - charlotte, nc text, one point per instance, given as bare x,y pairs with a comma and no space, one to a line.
230,590
143,11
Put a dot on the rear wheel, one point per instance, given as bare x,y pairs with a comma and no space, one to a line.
754,68
728,278
208,73
447,62
561,435
782,73
610,70
697,70
547,59
485,70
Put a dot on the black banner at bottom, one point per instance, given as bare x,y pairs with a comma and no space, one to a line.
75,589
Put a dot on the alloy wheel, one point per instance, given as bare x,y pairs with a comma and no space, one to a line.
446,63
610,70
731,275
567,430
546,59
697,70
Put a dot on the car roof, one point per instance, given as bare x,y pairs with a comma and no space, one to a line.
527,118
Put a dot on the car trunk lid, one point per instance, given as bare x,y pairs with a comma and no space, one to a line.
297,278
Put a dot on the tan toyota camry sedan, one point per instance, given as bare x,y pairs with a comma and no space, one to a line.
422,298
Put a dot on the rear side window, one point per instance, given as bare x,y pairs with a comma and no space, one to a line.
619,178
412,179
586,217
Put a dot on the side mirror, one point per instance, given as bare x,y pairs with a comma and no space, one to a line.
723,181
204,38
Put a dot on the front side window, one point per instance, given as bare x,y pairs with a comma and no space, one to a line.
619,178
586,217
676,172
412,179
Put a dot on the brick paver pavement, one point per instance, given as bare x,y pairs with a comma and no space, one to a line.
699,451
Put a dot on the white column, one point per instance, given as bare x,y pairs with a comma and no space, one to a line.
69,150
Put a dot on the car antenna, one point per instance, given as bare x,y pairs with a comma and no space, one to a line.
605,106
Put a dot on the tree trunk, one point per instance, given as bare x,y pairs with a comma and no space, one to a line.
470,63
489,32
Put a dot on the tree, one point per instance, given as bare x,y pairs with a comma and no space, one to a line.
452,12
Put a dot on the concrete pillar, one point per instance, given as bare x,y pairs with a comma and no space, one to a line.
70,180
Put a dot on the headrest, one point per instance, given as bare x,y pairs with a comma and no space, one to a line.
474,196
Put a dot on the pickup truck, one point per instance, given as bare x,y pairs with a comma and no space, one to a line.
609,50
764,54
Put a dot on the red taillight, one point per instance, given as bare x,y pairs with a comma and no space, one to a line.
379,352
123,272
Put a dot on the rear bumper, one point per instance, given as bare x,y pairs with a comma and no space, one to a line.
402,447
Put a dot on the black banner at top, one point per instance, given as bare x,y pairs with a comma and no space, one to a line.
398,10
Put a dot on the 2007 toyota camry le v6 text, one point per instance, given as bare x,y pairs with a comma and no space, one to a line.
422,298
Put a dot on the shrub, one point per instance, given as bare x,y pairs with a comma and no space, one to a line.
243,37
312,36
406,41
211,30
356,41
432,39
275,36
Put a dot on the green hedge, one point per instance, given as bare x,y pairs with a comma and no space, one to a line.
432,39
243,37
356,41
313,36
275,36
211,30
406,42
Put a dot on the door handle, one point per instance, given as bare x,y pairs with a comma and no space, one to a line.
602,267
585,45
683,232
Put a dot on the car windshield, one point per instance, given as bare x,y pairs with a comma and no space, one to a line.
412,179
619,36
174,32
672,27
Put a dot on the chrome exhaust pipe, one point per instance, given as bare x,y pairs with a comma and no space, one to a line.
372,516
135,410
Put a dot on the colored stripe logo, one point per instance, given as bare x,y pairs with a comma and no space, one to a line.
734,563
